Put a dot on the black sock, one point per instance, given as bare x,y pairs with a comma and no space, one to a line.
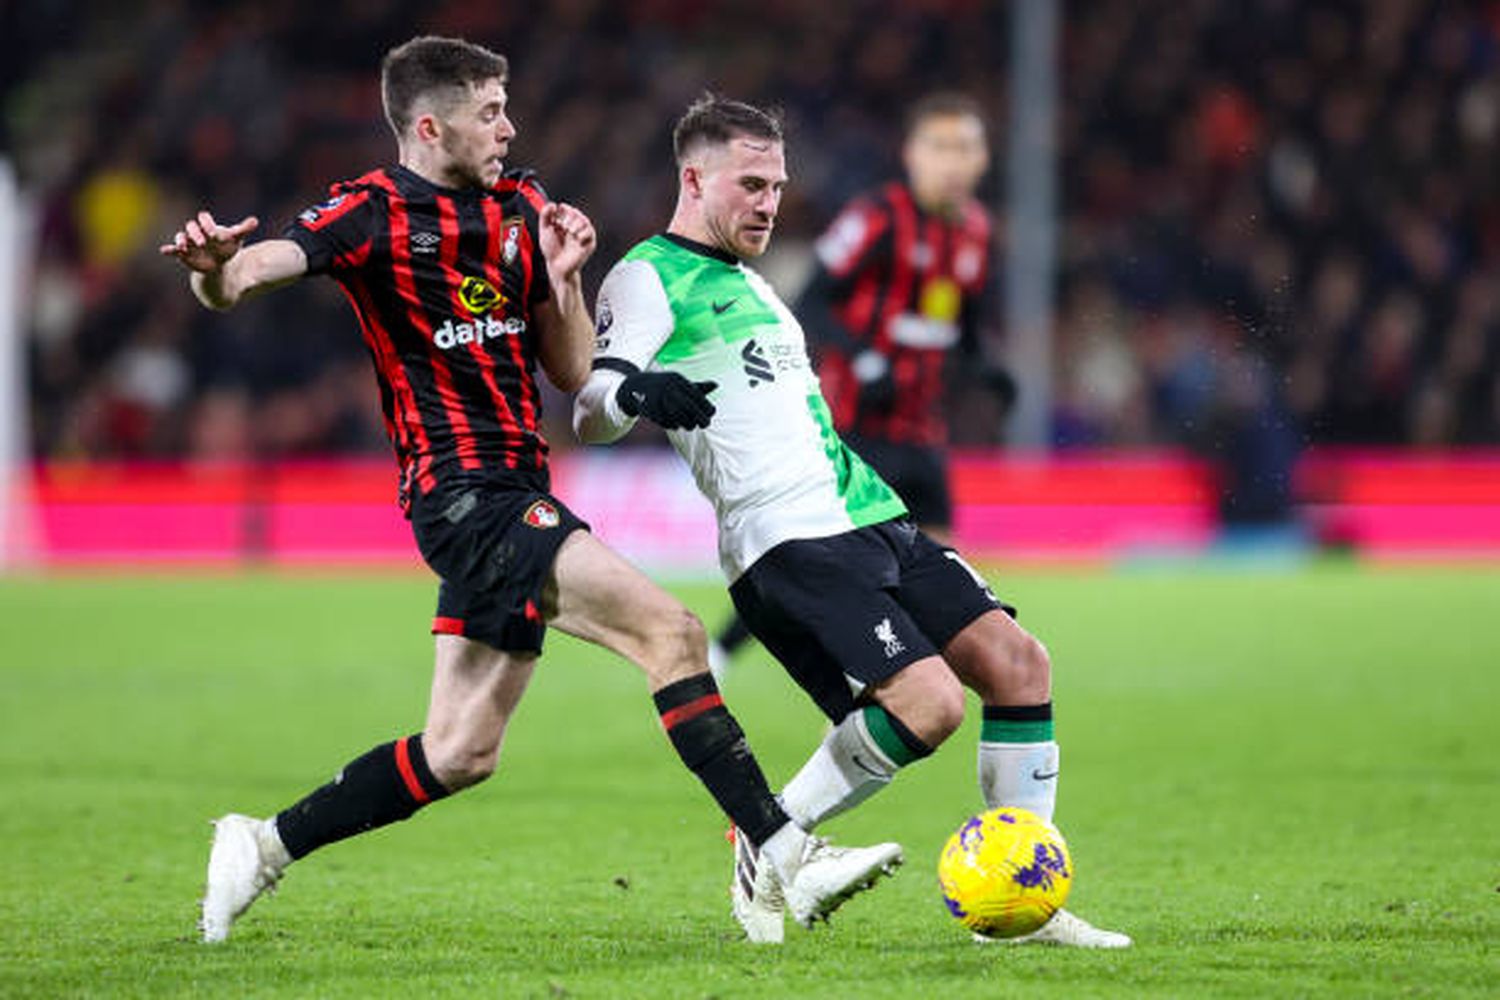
385,785
734,634
712,745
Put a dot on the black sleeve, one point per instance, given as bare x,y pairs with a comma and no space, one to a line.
337,234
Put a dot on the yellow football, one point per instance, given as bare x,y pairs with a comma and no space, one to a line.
1005,872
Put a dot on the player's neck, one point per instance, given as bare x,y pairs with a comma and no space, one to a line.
690,226
435,170
934,204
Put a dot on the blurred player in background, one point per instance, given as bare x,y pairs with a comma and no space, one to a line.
879,624
903,279
464,277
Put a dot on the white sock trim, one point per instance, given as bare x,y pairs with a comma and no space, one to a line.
273,851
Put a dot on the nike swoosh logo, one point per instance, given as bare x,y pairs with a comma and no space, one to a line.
866,767
1043,775
720,310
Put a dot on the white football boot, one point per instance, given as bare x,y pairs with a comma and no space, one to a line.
755,894
1067,931
829,875
247,859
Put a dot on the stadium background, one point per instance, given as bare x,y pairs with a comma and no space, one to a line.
1279,234
1275,344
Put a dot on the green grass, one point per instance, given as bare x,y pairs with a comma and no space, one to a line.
1281,784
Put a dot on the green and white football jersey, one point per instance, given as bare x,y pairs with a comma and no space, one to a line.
770,461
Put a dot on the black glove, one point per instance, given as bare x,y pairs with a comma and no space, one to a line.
667,399
877,386
1002,385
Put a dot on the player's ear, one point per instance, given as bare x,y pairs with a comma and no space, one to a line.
908,154
426,128
691,178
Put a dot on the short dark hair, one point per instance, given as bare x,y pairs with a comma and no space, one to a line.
432,66
942,104
712,121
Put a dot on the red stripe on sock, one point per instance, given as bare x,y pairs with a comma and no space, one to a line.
693,709
408,773
447,626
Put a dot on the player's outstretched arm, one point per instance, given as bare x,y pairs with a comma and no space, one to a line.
224,270
608,404
635,320
566,344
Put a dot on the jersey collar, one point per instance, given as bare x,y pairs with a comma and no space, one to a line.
701,248
415,182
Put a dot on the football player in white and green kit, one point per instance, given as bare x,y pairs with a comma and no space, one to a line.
880,625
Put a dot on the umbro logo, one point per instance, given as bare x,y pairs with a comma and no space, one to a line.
720,308
756,365
425,242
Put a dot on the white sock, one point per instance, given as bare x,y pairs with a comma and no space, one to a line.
784,849
847,768
1019,774
272,850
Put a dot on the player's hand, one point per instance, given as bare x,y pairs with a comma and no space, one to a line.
1002,385
667,399
205,246
877,386
567,238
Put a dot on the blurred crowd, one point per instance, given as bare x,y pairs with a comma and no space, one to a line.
1280,221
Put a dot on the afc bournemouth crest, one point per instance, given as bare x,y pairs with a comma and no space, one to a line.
541,514
512,243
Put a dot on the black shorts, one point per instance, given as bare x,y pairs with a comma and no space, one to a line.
493,549
918,474
845,612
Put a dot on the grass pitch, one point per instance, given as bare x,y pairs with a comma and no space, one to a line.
1280,784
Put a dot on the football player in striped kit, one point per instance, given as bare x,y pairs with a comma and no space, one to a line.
464,277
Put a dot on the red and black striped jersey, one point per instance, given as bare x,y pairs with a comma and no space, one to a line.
908,284
443,282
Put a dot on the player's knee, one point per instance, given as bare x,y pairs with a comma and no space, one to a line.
1017,671
460,765
677,645
931,706
936,718
947,710
692,637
